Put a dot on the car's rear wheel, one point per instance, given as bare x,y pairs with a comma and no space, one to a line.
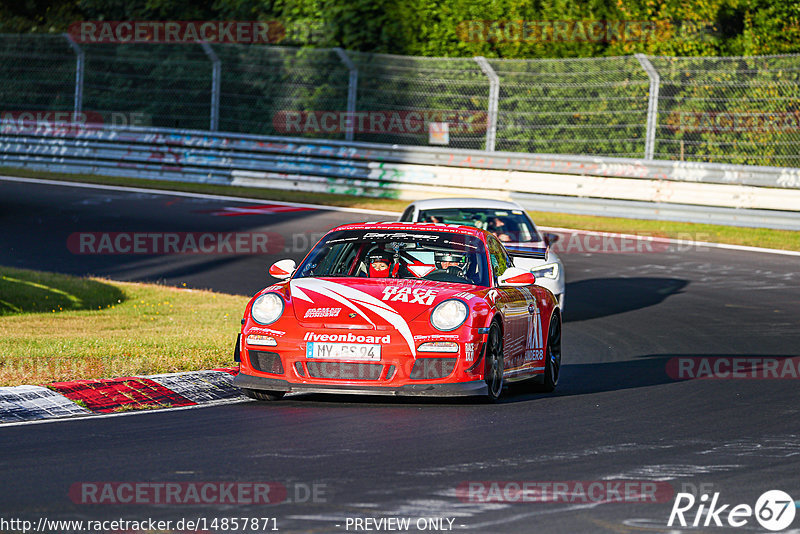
552,365
495,365
261,395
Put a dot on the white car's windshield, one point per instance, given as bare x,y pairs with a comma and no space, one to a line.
387,253
507,225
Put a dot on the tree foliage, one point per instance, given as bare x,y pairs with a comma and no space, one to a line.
437,27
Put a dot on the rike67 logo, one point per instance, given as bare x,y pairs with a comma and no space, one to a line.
774,511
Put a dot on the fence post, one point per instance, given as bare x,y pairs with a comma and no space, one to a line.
494,97
78,104
216,69
652,105
352,91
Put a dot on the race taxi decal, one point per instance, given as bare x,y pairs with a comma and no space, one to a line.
322,312
356,300
411,295
469,351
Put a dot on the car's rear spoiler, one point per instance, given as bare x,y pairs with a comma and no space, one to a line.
522,251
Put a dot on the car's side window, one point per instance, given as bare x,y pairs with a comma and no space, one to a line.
498,256
407,215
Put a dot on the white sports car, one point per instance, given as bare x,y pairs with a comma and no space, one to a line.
505,219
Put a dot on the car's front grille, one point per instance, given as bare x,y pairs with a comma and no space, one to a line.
432,368
344,371
266,362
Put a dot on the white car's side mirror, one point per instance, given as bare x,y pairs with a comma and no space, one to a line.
283,269
516,277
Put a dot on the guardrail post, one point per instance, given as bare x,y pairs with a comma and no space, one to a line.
78,104
652,105
352,91
494,98
216,70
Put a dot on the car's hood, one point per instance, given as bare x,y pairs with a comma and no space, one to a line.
369,304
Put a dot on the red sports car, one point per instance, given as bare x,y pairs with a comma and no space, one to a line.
401,309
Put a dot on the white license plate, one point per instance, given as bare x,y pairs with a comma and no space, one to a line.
343,351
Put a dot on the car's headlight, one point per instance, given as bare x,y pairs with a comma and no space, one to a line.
267,308
546,271
449,315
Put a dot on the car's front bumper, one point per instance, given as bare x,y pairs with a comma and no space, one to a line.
456,389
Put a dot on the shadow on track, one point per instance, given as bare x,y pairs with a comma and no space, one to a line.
601,297
576,379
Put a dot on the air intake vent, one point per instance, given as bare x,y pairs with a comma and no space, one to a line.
266,362
345,371
432,368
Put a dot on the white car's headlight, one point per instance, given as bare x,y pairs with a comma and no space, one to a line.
449,315
546,271
267,308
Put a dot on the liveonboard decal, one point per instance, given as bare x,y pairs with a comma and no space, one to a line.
347,338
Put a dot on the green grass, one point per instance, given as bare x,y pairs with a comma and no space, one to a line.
129,329
23,291
754,237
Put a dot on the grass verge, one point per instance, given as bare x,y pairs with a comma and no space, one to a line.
148,329
753,237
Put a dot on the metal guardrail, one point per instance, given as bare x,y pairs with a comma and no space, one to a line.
577,184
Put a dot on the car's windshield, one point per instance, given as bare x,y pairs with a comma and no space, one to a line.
506,224
387,253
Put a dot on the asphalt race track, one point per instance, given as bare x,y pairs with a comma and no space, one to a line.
618,414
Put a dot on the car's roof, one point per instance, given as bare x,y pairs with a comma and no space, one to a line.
416,227
437,203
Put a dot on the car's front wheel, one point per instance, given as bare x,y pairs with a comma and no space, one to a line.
495,365
261,395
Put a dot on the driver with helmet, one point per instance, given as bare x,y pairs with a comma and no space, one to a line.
451,262
379,263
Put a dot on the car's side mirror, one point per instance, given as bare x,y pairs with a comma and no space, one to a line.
550,238
516,277
283,269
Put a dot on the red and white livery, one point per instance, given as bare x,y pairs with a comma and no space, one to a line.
401,309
